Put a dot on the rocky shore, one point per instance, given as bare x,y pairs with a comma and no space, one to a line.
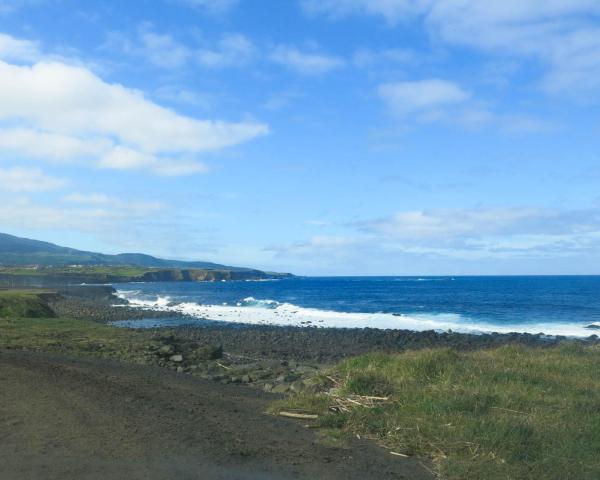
276,359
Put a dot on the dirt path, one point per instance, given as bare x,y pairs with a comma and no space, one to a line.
63,418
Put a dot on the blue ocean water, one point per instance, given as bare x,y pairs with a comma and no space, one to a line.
562,305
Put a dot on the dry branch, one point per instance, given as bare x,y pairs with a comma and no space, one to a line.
303,416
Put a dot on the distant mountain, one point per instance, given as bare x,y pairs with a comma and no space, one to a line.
16,251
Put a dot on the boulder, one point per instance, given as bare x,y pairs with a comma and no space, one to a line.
281,388
166,350
207,352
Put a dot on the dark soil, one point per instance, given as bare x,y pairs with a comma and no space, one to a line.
64,419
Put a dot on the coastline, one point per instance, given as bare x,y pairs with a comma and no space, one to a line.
301,371
319,344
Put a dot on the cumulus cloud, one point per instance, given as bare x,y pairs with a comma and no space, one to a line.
181,95
307,63
57,111
165,51
106,201
436,100
95,213
28,180
55,147
560,33
231,50
159,49
89,198
459,234
332,247
422,96
488,231
15,49
441,225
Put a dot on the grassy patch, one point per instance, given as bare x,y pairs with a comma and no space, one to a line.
508,413
119,271
24,304
70,336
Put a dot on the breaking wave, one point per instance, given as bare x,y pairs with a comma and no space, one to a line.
270,312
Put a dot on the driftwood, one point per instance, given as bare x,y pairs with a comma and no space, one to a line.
399,454
345,403
302,416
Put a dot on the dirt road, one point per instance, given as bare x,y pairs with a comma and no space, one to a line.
65,418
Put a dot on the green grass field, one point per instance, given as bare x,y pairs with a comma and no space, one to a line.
124,271
509,413
24,304
27,323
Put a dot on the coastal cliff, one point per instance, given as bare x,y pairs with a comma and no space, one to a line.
47,277
32,263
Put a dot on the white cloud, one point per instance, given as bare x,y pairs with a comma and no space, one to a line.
71,112
576,63
442,225
55,147
330,246
435,100
163,50
28,180
488,230
563,34
308,63
465,234
422,97
231,50
181,95
90,198
14,49
23,213
60,148
106,201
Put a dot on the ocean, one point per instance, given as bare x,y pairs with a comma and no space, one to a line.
552,305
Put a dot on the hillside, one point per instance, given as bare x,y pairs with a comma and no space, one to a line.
16,251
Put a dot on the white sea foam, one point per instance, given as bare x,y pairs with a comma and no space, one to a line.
271,312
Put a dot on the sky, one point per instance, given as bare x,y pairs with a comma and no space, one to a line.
321,137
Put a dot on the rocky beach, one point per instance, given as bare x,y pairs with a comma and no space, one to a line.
197,399
273,358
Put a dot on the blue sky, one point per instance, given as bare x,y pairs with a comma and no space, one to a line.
319,137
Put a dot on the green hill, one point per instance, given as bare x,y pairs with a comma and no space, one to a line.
16,251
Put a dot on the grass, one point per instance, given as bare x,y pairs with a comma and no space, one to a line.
121,271
27,323
75,337
24,303
513,412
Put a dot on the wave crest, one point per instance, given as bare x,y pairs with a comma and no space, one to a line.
270,312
